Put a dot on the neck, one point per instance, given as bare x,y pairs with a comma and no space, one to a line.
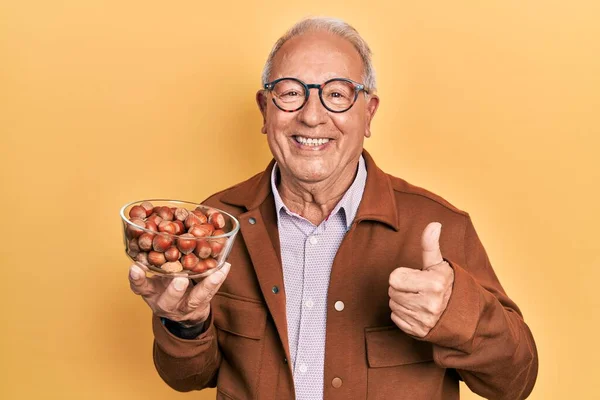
315,200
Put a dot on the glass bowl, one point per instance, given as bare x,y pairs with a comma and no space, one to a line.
177,238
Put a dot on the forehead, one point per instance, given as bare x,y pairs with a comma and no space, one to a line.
315,57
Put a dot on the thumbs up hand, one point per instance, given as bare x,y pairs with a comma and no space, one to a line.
419,297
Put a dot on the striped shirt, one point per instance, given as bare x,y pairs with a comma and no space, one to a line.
307,253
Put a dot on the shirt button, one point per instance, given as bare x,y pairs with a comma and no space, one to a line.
309,304
252,220
339,305
303,368
336,382
313,240
275,289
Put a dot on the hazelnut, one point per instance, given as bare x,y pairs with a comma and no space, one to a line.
205,265
221,240
200,267
208,211
154,218
142,258
146,205
179,227
172,254
201,230
132,229
181,214
209,229
151,226
137,212
217,220
191,220
167,227
156,258
186,243
162,242
165,213
145,241
203,249
189,261
201,216
133,247
215,249
174,266
211,263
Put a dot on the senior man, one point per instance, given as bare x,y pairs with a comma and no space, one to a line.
343,284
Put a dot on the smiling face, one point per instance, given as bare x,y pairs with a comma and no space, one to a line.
314,145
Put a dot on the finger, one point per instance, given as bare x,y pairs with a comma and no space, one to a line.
430,242
408,326
171,298
205,290
410,280
422,308
408,301
407,316
401,308
403,324
138,282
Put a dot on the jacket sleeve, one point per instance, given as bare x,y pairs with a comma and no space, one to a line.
186,365
482,334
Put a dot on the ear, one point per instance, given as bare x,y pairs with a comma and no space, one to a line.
261,100
371,109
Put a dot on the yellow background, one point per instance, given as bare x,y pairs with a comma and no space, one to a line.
491,104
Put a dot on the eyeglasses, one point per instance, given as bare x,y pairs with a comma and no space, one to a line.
337,95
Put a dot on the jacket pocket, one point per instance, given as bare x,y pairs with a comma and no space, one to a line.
400,367
388,346
240,324
239,316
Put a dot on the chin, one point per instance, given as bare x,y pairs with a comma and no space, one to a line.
309,171
311,176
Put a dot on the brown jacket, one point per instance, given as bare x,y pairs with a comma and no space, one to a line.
481,337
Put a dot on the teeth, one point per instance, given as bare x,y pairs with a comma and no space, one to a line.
311,142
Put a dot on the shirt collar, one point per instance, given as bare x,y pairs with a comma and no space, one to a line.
348,203
377,204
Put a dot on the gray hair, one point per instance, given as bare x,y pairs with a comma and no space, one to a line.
336,27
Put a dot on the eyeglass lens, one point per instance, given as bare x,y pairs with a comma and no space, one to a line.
291,95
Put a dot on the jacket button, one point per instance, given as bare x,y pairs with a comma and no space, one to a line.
275,289
252,220
339,305
336,382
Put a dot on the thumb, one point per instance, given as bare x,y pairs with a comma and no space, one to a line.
205,290
430,242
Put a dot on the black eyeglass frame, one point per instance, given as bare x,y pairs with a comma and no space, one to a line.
307,86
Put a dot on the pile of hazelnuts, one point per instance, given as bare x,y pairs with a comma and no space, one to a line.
175,238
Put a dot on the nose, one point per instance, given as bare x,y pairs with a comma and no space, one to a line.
313,113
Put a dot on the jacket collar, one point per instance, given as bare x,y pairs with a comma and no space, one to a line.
378,202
